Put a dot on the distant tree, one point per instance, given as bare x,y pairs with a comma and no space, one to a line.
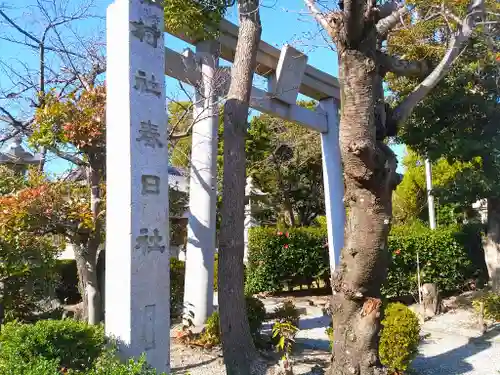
459,120
409,200
283,158
285,162
58,103
28,255
78,123
61,59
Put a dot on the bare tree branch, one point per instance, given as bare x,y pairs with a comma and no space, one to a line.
387,9
18,28
456,47
320,17
388,23
10,118
48,48
403,68
67,156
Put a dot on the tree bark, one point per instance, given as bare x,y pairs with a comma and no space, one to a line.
239,350
370,168
88,284
370,178
86,254
491,243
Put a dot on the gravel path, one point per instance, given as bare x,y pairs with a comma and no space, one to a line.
453,346
194,361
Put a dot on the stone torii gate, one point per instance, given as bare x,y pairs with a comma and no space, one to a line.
288,74
137,283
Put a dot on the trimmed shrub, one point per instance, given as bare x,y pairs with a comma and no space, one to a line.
177,273
38,366
297,257
443,254
74,345
109,364
449,256
211,334
27,272
491,302
400,337
256,313
55,347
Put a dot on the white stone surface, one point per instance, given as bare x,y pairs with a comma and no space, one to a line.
333,181
285,83
137,236
200,252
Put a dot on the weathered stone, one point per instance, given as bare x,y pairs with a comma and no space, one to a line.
431,300
137,235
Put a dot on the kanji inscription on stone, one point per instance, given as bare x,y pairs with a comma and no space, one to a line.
148,243
149,135
145,84
149,33
150,184
148,330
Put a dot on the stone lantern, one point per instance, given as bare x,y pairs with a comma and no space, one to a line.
252,196
17,158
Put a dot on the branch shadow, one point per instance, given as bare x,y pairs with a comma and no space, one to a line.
453,362
193,245
315,322
185,369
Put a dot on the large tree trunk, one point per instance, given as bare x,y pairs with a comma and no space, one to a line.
369,165
369,175
238,348
86,253
491,243
86,262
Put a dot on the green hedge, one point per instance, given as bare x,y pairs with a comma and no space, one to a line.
177,275
74,345
177,272
297,257
54,347
449,256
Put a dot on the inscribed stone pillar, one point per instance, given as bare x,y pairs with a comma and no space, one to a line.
137,235
200,249
333,181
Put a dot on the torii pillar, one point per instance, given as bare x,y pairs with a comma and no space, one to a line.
200,249
284,85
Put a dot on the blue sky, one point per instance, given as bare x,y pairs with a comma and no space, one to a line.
283,22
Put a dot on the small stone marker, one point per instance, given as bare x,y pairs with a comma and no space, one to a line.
137,234
431,300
